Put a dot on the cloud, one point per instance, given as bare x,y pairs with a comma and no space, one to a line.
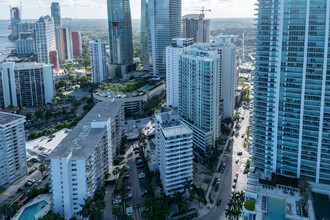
98,8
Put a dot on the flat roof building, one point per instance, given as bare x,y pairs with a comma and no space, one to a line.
81,161
12,148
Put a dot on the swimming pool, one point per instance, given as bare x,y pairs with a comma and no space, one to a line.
147,88
29,212
275,209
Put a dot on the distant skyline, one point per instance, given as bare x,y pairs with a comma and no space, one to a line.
33,9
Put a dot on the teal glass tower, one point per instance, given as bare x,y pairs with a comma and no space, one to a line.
291,89
120,36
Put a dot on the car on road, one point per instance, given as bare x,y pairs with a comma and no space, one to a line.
38,182
239,153
218,202
139,161
142,175
222,170
128,196
127,188
22,197
216,188
126,176
218,181
224,166
236,174
237,160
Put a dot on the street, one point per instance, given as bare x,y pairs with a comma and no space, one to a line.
218,212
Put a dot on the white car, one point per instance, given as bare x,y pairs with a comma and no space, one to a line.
237,160
218,181
142,175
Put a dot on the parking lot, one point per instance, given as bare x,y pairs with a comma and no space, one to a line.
135,183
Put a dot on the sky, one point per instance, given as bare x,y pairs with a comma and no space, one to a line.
33,9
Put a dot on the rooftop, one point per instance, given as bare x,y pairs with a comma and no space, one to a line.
6,118
171,124
82,139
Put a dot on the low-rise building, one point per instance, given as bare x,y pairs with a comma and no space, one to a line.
174,142
81,161
12,148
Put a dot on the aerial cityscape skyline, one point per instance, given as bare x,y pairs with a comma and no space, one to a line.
97,8
179,116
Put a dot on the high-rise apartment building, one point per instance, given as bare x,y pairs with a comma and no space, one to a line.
164,24
15,18
173,53
98,61
227,54
53,56
55,9
45,38
120,37
76,44
175,152
67,45
197,27
12,148
25,44
26,84
291,110
79,164
26,27
144,32
199,94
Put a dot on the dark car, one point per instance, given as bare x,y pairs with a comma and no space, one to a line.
126,176
218,202
239,153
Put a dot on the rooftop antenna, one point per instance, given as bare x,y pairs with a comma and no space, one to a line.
204,10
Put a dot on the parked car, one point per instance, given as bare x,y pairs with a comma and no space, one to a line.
142,175
139,161
127,188
218,181
239,153
140,166
236,174
234,185
218,202
224,166
237,160
242,136
235,179
22,197
128,196
126,176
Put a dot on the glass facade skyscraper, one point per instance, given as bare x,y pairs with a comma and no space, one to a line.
56,14
120,36
291,89
144,32
15,18
165,24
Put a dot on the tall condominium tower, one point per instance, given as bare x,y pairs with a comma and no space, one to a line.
45,38
15,18
98,61
120,37
199,94
12,148
81,161
175,152
56,14
144,32
165,24
67,45
197,27
291,111
76,44
173,53
26,84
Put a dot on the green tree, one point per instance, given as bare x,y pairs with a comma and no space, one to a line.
42,168
116,210
51,216
6,210
86,208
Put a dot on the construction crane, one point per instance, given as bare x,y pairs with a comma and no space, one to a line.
203,10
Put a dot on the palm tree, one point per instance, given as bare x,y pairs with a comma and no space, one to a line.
304,185
188,185
42,168
6,210
241,196
236,213
86,208
116,210
229,213
305,197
